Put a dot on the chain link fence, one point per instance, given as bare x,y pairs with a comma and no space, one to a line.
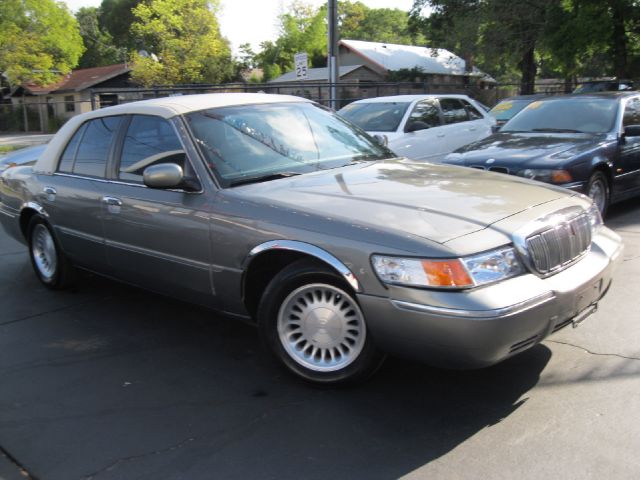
46,114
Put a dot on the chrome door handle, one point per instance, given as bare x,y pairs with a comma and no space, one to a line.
113,204
50,192
112,201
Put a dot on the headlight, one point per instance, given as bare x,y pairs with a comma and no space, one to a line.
595,219
463,272
544,175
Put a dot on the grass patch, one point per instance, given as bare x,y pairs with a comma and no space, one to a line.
7,148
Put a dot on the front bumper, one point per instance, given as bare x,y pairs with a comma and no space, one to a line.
480,327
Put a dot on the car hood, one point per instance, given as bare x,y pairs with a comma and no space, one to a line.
524,148
432,201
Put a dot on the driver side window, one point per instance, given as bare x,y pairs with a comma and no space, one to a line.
424,115
149,141
632,112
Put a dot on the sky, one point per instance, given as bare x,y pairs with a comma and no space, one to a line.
254,21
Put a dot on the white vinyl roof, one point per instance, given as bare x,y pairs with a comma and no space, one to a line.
390,56
168,107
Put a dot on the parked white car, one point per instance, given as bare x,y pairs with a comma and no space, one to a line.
422,127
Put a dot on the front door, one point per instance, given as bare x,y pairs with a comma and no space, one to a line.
424,140
154,237
629,161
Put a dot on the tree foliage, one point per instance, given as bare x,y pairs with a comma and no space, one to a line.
99,45
565,38
185,40
386,25
39,40
116,18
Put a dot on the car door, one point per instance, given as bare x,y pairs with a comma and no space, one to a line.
158,238
457,130
629,157
478,124
72,196
422,139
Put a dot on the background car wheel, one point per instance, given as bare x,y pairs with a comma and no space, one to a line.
598,190
49,262
311,321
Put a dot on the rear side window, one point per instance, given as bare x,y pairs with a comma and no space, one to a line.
453,111
69,154
149,141
93,151
88,151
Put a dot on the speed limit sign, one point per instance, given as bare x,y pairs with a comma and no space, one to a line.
301,65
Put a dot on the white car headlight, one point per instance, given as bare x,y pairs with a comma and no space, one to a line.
463,272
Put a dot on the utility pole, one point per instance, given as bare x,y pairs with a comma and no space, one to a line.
332,60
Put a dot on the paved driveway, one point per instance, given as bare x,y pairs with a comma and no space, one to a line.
109,382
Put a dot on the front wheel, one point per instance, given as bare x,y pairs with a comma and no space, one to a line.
314,326
598,190
49,262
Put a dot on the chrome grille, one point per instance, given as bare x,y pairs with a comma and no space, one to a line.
560,245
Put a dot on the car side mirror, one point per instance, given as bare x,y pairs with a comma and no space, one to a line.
632,131
415,126
164,175
381,140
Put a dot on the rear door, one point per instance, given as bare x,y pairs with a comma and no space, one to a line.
425,142
158,238
72,196
458,129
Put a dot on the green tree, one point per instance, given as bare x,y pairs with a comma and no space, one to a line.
116,18
39,40
100,49
185,40
386,25
564,38
302,28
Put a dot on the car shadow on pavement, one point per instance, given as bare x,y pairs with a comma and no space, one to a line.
624,214
113,382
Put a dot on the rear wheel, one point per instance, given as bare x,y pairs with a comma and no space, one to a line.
598,190
49,262
312,323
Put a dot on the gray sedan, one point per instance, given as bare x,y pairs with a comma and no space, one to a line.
274,210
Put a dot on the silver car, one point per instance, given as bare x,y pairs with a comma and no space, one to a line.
273,209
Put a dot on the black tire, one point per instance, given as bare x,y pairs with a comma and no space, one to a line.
599,191
335,308
48,260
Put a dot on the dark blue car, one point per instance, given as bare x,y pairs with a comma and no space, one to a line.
589,143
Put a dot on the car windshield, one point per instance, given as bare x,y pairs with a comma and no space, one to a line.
375,116
570,115
508,108
248,143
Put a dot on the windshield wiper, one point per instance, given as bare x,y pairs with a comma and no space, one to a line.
556,130
263,178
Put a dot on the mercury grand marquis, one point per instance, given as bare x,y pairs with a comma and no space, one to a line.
273,209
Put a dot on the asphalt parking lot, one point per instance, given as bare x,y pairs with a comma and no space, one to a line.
110,382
